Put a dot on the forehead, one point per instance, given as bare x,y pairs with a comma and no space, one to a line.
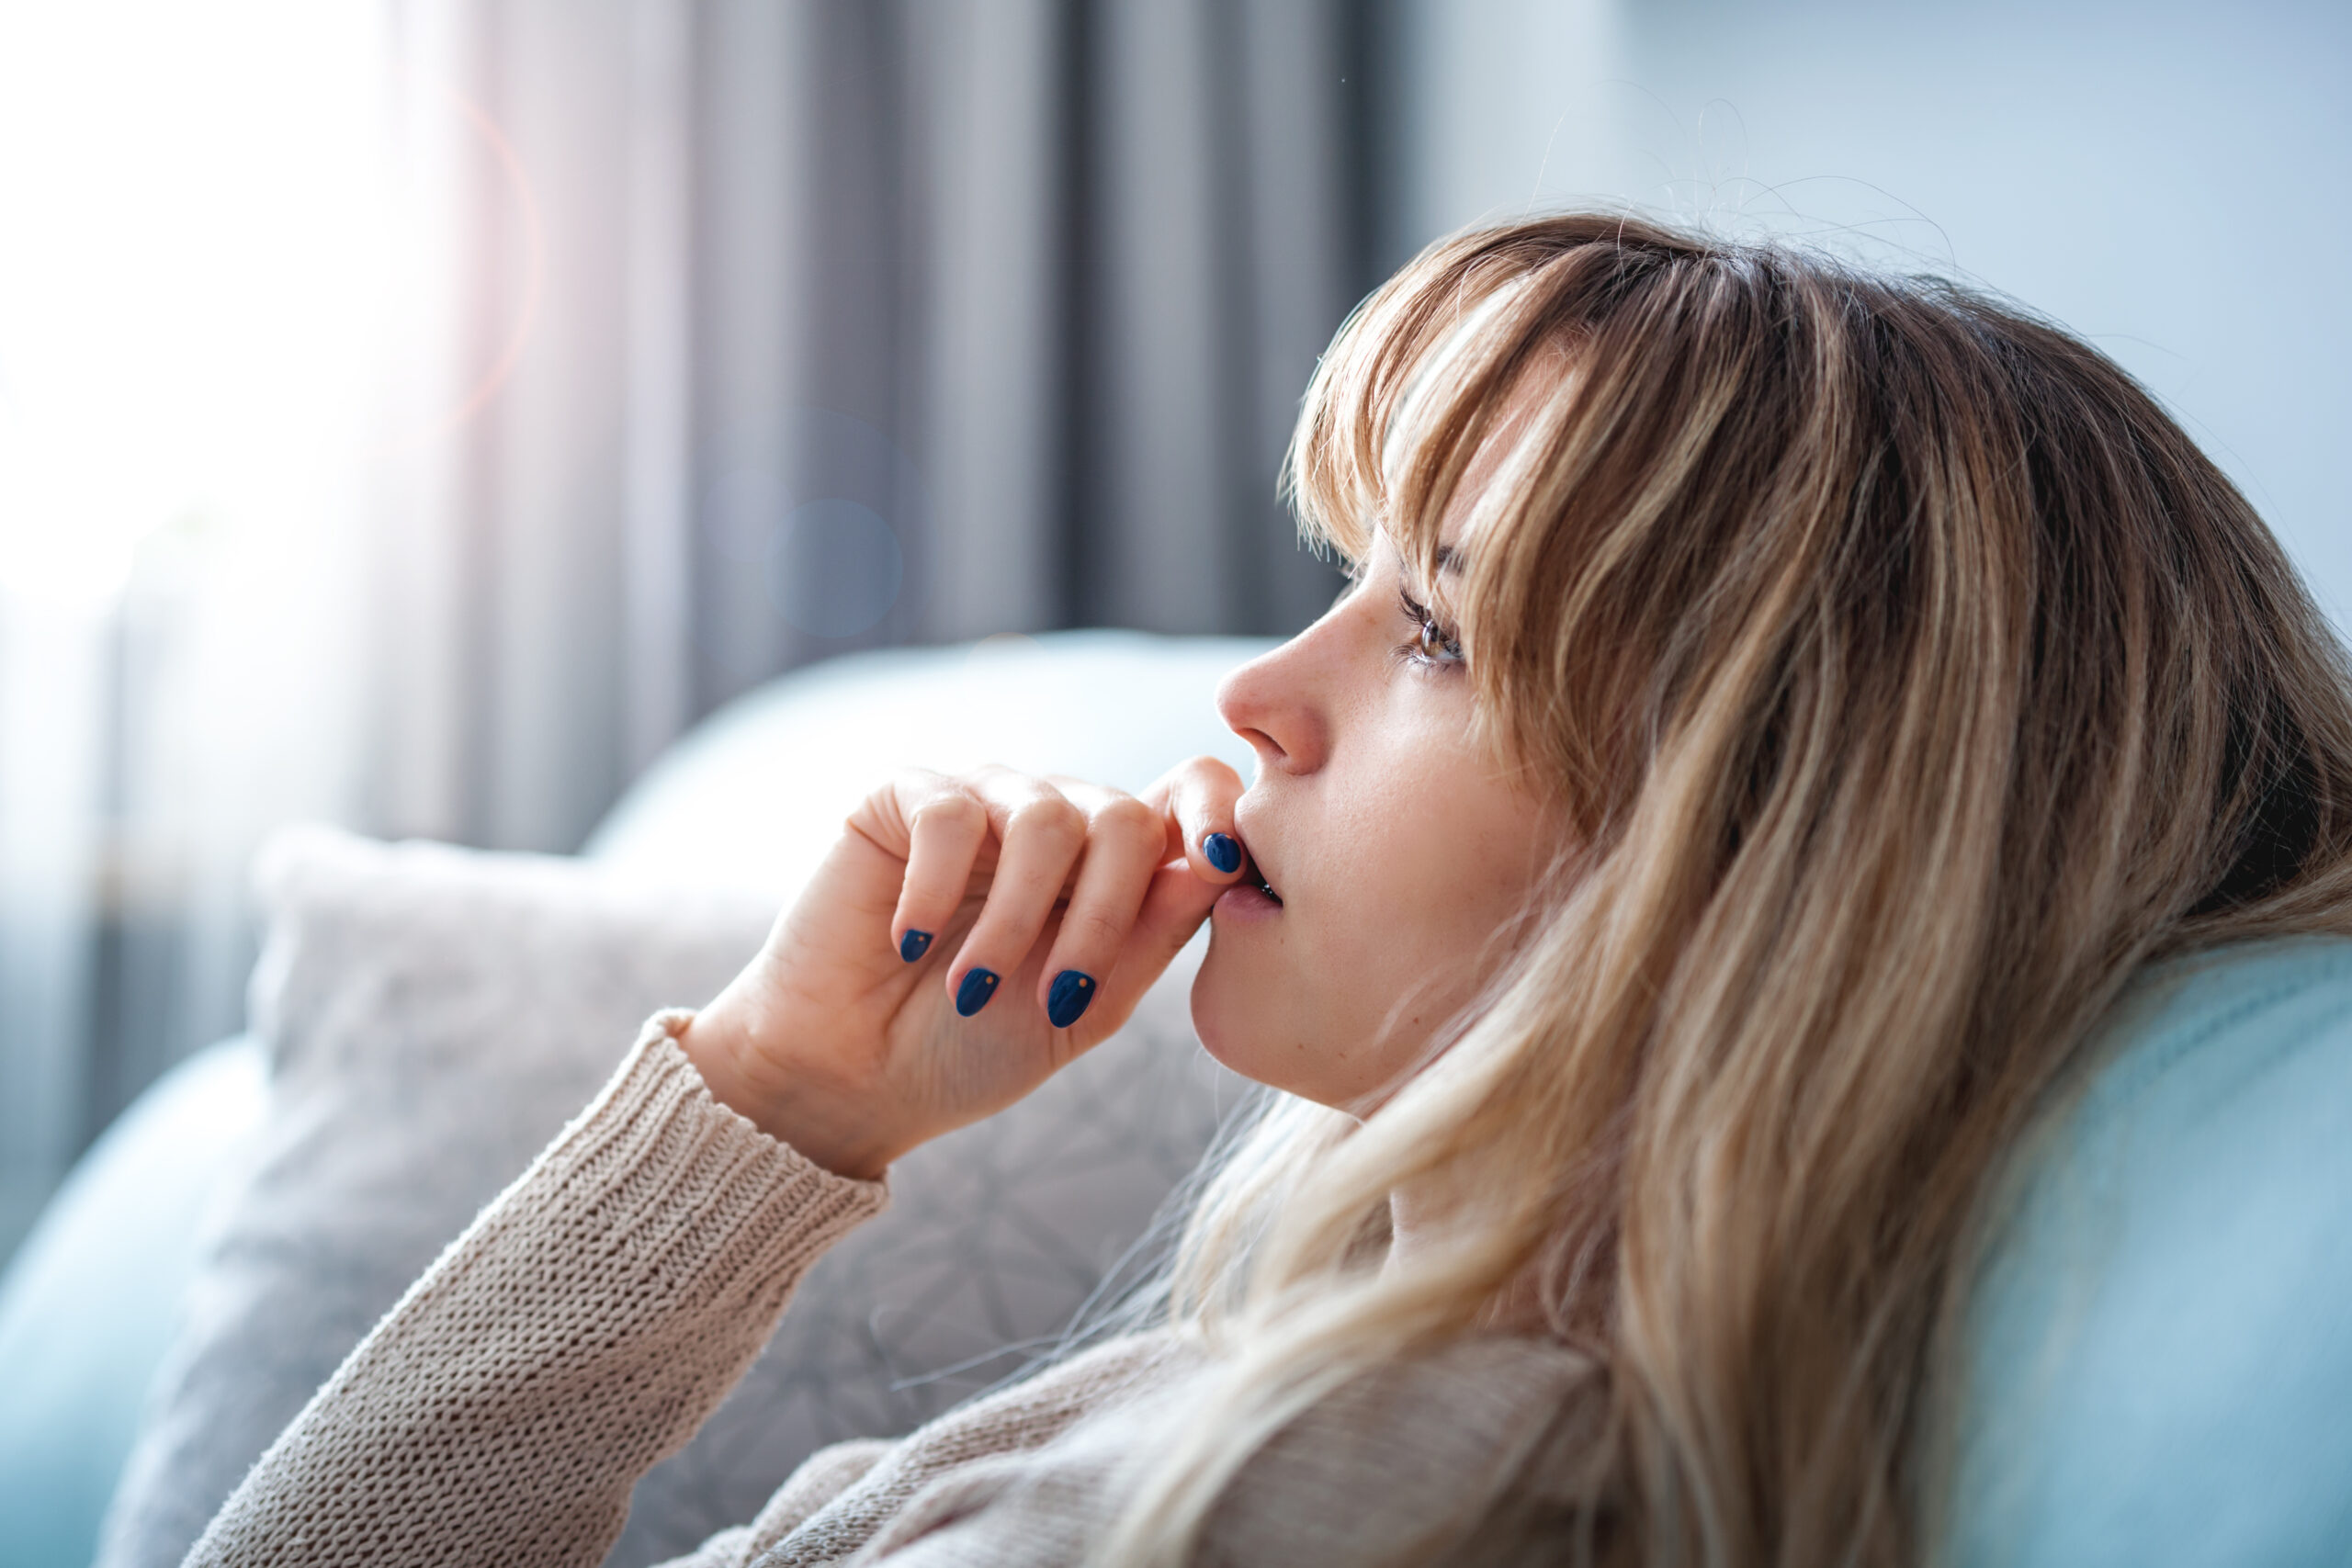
1440,538
1413,416
1382,555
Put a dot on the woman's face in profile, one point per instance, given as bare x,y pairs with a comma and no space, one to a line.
1396,847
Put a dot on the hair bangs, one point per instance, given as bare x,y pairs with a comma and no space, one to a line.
1911,679
1401,405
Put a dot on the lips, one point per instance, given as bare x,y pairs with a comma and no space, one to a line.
1253,896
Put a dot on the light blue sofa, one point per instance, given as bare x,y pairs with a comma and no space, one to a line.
2161,1363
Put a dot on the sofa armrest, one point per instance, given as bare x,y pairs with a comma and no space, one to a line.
91,1300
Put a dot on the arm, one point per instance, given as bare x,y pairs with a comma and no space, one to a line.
587,1322
580,1330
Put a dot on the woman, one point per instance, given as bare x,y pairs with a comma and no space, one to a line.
1777,710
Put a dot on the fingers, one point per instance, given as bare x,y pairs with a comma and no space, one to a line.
1040,835
944,824
1124,844
1109,874
1174,905
1195,856
1196,801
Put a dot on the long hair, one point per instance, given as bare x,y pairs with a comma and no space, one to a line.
1908,679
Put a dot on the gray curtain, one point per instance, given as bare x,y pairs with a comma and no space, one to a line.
769,330
730,335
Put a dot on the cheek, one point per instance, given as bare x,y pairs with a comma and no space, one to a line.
1433,858
1437,880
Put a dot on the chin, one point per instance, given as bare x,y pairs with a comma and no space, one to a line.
1231,1015
1246,1019
1214,1014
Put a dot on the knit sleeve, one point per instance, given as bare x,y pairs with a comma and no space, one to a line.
580,1330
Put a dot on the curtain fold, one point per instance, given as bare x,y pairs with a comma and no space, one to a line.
718,336
715,337
190,251
755,332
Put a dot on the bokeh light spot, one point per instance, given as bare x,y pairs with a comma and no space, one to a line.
836,570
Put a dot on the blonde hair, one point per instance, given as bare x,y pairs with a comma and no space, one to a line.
1908,679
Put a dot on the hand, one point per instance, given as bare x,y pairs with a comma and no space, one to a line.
845,1037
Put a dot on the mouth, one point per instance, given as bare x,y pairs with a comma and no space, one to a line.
1249,901
1252,900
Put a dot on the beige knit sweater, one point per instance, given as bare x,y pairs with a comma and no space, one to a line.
591,1317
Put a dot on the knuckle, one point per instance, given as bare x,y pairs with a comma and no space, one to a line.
1050,818
997,778
1206,777
951,808
1127,817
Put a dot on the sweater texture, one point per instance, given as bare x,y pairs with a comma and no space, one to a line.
593,1315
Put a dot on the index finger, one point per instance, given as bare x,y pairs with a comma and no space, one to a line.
1195,801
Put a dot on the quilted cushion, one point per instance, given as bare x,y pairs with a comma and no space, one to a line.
434,1015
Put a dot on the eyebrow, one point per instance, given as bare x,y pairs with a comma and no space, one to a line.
1451,562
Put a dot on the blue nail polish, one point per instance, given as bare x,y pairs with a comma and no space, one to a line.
974,993
913,945
1223,849
1066,999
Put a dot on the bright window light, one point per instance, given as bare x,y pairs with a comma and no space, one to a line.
191,240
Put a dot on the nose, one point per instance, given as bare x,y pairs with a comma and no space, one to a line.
1275,703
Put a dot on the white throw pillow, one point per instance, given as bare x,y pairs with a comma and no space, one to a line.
434,1015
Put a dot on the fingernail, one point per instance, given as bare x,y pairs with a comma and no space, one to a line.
913,945
1223,849
974,993
1066,999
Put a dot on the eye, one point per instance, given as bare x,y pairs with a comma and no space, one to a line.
1433,642
1436,644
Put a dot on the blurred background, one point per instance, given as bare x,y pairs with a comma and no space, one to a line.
417,413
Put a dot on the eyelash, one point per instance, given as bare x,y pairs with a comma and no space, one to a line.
1448,648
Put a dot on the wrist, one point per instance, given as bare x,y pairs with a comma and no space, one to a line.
823,1125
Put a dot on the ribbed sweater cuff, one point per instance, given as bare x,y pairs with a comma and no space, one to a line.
580,1328
655,1155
